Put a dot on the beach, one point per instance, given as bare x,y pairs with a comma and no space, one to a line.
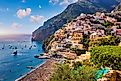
42,73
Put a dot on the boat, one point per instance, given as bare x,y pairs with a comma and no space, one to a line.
36,56
15,53
30,67
42,57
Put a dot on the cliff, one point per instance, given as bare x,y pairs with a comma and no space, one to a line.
71,12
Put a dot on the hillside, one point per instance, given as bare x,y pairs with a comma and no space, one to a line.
71,12
118,8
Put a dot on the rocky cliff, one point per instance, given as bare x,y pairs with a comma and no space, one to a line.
71,12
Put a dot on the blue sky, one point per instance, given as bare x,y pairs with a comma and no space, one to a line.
24,16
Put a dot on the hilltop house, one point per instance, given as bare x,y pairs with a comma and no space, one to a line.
118,32
112,20
59,34
77,36
76,39
97,34
118,24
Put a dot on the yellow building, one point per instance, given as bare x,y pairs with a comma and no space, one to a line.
59,33
119,44
79,46
76,37
95,36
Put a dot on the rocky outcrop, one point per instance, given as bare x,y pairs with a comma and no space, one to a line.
71,12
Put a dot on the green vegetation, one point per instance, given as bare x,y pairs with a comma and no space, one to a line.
68,45
110,40
109,56
71,12
46,42
107,24
78,51
75,73
86,41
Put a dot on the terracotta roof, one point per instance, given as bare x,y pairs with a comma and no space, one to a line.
118,31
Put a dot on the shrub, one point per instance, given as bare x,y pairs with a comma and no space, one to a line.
110,40
85,41
78,51
109,56
63,73
77,73
107,24
77,64
68,45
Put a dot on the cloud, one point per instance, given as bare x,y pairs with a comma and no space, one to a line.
4,9
36,19
67,2
54,1
7,9
23,1
14,28
21,13
15,25
63,2
40,6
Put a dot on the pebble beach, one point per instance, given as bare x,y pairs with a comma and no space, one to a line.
41,73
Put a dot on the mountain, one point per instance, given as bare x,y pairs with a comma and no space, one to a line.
118,8
116,13
71,12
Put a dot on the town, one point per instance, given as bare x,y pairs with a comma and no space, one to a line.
76,38
84,28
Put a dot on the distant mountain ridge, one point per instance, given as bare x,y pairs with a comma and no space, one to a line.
71,12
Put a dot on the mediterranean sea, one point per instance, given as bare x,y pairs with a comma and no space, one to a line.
14,66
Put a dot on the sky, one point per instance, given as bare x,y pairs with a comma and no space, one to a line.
24,16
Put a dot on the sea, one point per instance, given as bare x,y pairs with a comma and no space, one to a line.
14,66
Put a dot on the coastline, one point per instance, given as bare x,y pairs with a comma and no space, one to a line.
29,72
41,73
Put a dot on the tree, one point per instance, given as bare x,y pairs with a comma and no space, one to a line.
78,51
85,41
107,24
109,56
110,40
68,45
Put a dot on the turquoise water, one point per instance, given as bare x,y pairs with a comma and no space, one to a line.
13,67
101,73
